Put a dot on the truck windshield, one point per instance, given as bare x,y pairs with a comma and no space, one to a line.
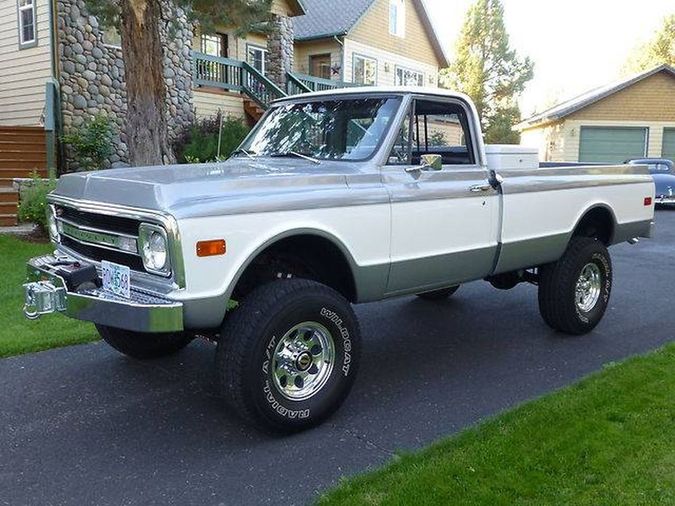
337,129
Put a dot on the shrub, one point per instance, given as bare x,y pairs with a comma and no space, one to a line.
199,142
33,201
92,142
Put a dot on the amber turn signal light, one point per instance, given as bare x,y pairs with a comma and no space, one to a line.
211,248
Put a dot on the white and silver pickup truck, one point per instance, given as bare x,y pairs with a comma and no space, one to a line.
335,198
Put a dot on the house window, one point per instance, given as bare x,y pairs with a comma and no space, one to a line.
319,65
27,23
257,58
213,44
397,17
407,77
365,70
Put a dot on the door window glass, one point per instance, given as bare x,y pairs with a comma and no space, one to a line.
438,128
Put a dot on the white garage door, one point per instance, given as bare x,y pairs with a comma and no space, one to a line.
612,144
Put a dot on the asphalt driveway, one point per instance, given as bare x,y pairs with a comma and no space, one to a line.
85,425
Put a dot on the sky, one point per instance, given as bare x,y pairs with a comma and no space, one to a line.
576,45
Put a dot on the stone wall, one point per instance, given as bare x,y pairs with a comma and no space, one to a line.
92,74
280,47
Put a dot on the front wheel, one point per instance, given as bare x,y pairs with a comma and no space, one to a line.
288,355
142,345
574,291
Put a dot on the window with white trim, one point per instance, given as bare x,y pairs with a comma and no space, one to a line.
27,23
365,70
408,77
257,58
397,17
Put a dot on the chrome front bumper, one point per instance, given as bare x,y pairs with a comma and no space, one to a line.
47,292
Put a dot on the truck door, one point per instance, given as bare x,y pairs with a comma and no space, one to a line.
444,219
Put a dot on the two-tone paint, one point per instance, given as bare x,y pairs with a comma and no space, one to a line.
401,231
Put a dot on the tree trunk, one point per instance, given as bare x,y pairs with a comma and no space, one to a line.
146,126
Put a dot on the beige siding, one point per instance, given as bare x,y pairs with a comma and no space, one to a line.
23,72
652,99
373,30
549,141
236,45
282,8
208,103
386,64
303,51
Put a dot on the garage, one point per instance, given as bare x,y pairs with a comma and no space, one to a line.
669,143
612,144
633,118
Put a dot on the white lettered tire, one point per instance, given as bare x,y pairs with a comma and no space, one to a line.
288,355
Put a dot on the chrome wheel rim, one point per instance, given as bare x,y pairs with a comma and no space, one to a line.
303,361
588,287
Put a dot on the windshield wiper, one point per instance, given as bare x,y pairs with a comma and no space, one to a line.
241,151
299,155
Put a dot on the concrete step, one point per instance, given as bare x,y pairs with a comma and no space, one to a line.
8,220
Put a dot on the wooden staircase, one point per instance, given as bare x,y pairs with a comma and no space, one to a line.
253,111
23,150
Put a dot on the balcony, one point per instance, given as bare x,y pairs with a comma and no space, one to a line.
240,77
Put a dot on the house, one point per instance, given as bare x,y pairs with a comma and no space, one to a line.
368,42
633,118
365,42
59,67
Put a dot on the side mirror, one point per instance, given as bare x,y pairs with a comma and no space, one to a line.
428,162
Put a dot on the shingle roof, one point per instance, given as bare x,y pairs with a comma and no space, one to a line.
590,97
326,18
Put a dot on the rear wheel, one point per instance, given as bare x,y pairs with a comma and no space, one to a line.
574,291
288,355
142,345
441,294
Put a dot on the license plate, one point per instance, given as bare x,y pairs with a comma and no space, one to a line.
116,279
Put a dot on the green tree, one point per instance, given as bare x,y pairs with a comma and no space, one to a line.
139,24
659,50
487,69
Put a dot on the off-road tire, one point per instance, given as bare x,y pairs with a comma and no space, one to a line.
144,346
246,360
441,294
558,282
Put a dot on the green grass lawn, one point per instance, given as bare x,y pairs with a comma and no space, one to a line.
17,334
607,440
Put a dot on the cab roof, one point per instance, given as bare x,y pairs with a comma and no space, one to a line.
376,90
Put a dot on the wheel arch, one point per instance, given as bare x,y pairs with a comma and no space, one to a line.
599,221
322,241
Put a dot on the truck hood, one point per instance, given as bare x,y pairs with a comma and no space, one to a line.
239,184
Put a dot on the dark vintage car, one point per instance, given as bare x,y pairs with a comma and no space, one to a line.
662,171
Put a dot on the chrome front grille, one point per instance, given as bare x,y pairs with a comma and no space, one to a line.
100,237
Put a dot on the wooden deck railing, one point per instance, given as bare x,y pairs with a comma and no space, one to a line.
238,76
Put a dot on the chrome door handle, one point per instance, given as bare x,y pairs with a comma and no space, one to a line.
479,188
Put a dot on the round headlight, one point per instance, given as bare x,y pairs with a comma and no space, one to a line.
154,252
